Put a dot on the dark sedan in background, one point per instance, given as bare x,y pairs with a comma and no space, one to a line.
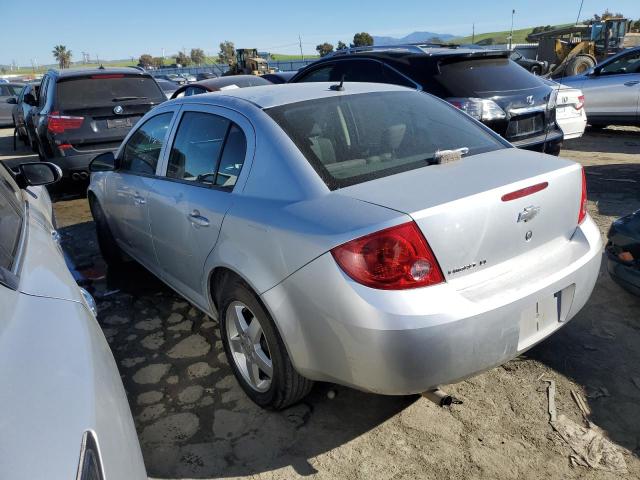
220,83
485,84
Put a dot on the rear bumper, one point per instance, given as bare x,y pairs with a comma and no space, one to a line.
406,342
572,126
74,161
547,143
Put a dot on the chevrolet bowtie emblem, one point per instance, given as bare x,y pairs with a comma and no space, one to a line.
528,214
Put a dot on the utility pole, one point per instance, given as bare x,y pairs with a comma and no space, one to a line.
300,43
513,12
473,33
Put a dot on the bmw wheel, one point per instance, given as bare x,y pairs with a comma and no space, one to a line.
256,352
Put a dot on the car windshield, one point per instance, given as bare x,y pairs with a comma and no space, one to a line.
105,89
350,139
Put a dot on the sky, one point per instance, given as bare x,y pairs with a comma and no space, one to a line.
117,29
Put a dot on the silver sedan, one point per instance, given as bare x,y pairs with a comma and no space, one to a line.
64,410
611,90
362,234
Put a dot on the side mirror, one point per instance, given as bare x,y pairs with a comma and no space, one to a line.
12,100
33,174
596,71
105,162
29,99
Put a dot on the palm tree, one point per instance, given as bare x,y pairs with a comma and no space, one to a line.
62,55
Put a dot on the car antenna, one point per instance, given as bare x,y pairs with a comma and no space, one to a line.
339,87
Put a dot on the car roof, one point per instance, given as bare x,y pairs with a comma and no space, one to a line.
83,72
239,80
405,53
268,96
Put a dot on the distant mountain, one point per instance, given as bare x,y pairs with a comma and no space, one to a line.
415,37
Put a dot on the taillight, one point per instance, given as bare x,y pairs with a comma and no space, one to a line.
582,214
396,258
580,103
57,123
479,108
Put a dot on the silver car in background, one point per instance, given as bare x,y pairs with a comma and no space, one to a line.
611,90
8,94
362,234
64,410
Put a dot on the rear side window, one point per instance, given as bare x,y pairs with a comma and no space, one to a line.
208,149
10,223
351,139
106,90
142,151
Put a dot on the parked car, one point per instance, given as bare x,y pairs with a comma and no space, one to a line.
279,77
611,90
205,76
483,83
167,87
329,227
172,77
188,77
571,114
8,94
537,67
81,113
66,412
23,111
220,83
623,252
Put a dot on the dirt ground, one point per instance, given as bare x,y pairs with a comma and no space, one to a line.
195,422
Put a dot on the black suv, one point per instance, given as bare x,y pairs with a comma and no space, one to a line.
82,113
485,84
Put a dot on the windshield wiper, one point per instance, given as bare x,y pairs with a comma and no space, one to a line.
122,99
446,156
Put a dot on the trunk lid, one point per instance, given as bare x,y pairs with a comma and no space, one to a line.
459,207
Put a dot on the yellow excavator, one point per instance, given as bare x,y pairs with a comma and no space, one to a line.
574,49
248,62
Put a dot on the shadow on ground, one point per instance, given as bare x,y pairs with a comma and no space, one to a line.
614,187
606,141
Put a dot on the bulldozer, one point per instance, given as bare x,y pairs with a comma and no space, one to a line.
248,62
574,49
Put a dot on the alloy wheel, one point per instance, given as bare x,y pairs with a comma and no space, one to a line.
249,347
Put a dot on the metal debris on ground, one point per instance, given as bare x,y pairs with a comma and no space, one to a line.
590,447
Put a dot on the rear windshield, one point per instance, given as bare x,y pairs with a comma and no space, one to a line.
486,75
107,89
350,139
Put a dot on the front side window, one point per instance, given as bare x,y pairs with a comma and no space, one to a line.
142,151
351,139
4,91
625,64
208,149
322,74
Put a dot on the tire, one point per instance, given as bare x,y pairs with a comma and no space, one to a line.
111,252
579,64
285,386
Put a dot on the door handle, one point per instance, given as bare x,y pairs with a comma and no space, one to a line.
138,199
631,83
198,220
